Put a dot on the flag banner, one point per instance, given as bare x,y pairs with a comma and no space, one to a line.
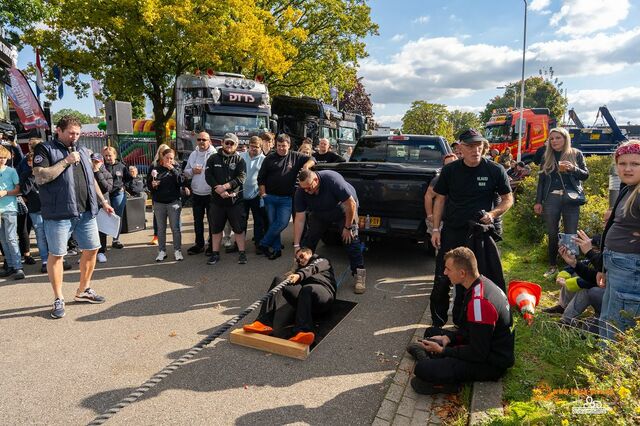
97,90
25,102
57,74
39,80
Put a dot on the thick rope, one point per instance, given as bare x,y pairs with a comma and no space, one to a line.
158,377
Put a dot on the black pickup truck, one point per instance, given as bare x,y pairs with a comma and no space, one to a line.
391,175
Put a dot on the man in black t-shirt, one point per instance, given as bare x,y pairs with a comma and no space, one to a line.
276,183
467,190
329,199
324,154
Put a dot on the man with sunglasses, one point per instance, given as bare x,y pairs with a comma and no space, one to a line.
225,174
311,291
324,199
200,189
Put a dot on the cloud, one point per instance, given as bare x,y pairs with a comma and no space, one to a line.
394,120
445,67
624,104
398,37
579,17
539,5
421,19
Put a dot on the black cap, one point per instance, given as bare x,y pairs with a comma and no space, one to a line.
471,136
96,157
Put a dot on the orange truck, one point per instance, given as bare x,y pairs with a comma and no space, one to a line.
502,130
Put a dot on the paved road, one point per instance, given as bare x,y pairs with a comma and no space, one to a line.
70,370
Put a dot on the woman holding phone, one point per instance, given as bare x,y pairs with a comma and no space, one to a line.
164,181
559,193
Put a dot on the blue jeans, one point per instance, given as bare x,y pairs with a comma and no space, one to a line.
118,202
258,213
41,238
279,211
621,301
9,239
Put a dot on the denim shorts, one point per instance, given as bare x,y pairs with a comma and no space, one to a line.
83,228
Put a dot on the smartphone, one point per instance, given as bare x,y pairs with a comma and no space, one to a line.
568,241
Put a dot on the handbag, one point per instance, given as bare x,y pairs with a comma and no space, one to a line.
22,207
571,197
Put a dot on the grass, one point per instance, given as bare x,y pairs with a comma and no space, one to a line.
546,354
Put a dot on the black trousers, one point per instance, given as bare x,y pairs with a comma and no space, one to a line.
439,299
307,299
444,370
200,205
24,228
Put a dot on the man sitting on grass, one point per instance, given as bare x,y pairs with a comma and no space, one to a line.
312,291
481,349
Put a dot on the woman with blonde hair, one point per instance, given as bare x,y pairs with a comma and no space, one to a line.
621,248
559,193
155,162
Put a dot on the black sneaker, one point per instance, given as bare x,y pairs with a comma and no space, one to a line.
117,244
7,273
417,351
58,309
554,310
195,250
215,258
208,251
260,250
19,275
426,388
43,268
90,296
275,254
232,248
242,258
28,260
65,266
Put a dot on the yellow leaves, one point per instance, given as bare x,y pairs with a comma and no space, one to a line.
624,393
564,422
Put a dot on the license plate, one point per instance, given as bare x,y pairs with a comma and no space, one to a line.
374,222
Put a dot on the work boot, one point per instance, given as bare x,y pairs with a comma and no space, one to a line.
361,277
417,351
426,388
304,337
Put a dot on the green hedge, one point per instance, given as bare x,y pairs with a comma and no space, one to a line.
531,226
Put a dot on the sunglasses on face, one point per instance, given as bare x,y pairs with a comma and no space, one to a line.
202,140
229,143
300,258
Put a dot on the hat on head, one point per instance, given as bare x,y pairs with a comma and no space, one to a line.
471,136
231,137
96,157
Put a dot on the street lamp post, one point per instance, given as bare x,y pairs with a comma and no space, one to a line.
524,50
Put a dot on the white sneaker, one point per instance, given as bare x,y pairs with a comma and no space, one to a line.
361,276
178,255
102,258
162,255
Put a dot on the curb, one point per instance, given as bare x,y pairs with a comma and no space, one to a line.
486,401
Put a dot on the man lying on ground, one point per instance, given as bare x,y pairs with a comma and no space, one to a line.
312,291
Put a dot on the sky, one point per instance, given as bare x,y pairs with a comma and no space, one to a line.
457,52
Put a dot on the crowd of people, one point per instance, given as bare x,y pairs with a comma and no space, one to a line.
63,186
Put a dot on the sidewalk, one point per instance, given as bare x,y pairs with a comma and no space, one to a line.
402,405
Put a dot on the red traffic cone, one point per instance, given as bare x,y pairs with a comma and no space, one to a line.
525,296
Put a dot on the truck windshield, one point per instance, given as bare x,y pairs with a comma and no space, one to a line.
347,135
498,134
220,124
409,151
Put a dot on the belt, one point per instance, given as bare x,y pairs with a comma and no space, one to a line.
557,192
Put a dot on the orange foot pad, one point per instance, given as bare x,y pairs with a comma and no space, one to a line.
304,337
257,327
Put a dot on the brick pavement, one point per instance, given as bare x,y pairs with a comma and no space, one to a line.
401,404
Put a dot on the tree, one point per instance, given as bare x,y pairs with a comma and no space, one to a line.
328,53
538,93
463,120
424,118
84,118
140,48
18,15
357,100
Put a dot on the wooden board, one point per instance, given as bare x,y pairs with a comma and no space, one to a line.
271,344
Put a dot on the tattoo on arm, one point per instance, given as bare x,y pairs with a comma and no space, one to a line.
47,174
